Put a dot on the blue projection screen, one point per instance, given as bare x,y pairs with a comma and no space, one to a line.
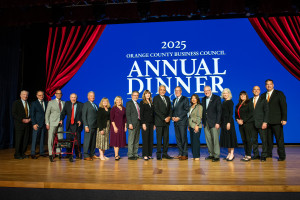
220,53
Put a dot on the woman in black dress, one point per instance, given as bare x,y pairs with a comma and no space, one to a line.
228,135
244,117
147,121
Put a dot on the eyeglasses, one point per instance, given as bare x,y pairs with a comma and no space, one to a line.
58,93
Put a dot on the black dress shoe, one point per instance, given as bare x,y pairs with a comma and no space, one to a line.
209,158
132,158
167,157
215,159
139,157
255,157
51,158
25,156
33,157
229,160
19,157
263,159
43,155
281,159
158,158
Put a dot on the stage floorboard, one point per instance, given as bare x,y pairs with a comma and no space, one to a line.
153,175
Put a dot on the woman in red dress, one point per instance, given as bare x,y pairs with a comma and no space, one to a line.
118,126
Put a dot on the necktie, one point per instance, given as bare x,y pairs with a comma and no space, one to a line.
268,97
163,98
72,115
255,99
138,109
176,101
59,104
95,106
26,109
42,104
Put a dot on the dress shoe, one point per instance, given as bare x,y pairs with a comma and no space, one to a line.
33,157
88,159
281,159
263,159
43,155
95,157
225,158
158,158
132,158
229,160
139,157
167,157
256,158
25,156
177,157
51,158
246,159
146,158
269,156
149,157
215,159
19,157
183,158
209,158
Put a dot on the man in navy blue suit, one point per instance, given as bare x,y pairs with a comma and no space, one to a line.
179,116
37,111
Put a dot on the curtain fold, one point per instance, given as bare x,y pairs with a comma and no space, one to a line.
67,49
282,36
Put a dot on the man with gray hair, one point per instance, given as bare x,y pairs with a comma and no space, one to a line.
212,110
21,115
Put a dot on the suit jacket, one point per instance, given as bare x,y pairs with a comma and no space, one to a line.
37,113
245,111
67,110
181,110
196,116
89,115
132,114
212,114
277,107
261,111
18,113
161,110
52,116
147,113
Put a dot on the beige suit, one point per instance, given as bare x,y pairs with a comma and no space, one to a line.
52,118
195,117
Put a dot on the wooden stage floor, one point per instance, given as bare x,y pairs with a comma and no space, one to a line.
165,175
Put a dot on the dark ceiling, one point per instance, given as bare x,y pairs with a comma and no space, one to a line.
63,12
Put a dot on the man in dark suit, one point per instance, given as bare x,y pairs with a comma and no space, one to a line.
37,113
73,111
277,118
134,125
179,116
89,118
163,113
212,110
21,115
261,118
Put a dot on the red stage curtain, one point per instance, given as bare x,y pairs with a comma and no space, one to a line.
282,36
68,48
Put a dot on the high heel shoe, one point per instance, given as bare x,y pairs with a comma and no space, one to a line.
230,159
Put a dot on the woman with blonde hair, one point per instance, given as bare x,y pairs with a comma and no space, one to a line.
118,126
228,135
103,127
147,121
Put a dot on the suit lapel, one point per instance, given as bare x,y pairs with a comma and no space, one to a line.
210,101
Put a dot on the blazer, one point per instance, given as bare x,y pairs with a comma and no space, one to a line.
212,114
37,113
277,107
52,116
147,113
195,116
18,113
260,112
132,114
89,115
181,110
67,111
227,113
102,117
246,112
161,110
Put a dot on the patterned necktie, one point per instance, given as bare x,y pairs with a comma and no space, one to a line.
72,115
164,100
26,109
95,106
138,109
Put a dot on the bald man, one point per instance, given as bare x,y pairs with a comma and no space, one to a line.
261,118
52,119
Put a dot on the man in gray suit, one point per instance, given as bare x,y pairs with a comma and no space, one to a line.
89,118
52,119
134,125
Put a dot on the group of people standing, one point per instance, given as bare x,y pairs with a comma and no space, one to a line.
105,126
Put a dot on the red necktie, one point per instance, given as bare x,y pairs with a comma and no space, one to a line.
59,105
72,115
